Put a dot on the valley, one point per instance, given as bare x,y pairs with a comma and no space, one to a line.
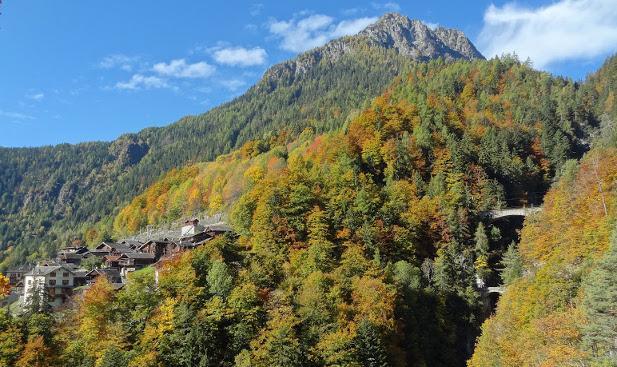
389,199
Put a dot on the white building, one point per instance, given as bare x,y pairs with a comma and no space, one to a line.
191,228
57,281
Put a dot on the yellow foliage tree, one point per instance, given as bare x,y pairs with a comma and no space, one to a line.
5,286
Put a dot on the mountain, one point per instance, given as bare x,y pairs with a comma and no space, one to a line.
530,130
51,195
410,38
416,40
368,245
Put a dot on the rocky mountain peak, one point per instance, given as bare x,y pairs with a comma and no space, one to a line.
415,39
411,38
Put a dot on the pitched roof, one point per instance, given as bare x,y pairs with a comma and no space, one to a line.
105,271
219,227
137,255
19,269
118,247
142,246
104,244
44,269
196,237
112,257
207,239
70,255
132,243
73,250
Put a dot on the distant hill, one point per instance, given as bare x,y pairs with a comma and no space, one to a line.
50,195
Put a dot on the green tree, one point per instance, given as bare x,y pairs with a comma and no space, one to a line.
92,262
371,350
512,264
320,247
481,265
11,342
600,305
114,357
278,344
219,279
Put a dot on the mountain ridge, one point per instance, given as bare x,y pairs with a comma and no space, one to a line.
51,193
411,38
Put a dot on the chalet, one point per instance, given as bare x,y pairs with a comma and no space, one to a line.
57,281
197,237
218,229
193,243
132,261
113,275
107,248
111,260
73,254
16,275
78,271
191,227
101,250
134,244
206,234
159,248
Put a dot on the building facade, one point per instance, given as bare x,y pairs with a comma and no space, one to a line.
55,282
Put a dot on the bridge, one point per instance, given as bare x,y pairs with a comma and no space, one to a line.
512,212
499,290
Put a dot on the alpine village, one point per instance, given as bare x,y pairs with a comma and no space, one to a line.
387,198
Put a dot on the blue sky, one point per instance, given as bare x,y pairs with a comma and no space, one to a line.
75,70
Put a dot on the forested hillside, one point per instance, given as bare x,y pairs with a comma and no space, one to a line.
518,124
360,247
52,194
559,307
357,179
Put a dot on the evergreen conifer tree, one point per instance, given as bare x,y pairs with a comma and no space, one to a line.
512,265
370,347
600,305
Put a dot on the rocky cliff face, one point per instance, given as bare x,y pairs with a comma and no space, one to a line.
416,40
393,31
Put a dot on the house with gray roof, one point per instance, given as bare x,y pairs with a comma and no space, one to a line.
56,282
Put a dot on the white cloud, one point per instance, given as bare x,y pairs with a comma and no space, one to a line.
139,81
564,30
181,69
299,35
239,56
121,61
36,96
349,27
15,115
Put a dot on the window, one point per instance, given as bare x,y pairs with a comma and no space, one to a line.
52,282
29,281
65,274
65,282
52,274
